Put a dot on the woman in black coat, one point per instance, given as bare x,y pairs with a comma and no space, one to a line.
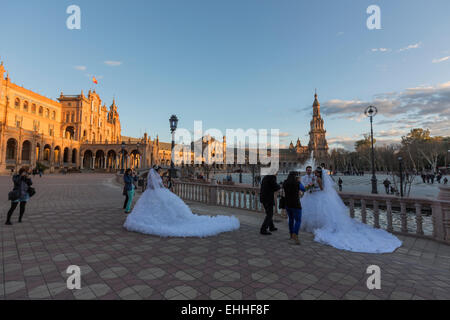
20,194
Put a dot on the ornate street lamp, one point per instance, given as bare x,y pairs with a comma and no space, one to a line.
173,121
400,168
123,157
371,112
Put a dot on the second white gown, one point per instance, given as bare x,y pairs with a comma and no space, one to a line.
325,214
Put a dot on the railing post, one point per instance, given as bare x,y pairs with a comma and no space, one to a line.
363,211
442,219
419,219
403,216
389,215
352,208
212,189
376,215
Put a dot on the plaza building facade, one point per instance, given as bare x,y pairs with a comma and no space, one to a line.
76,131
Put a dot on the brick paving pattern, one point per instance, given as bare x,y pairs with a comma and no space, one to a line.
77,220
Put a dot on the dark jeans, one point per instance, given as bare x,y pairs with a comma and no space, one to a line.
295,219
126,201
387,189
13,207
268,221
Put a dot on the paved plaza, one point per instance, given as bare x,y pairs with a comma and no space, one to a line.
77,219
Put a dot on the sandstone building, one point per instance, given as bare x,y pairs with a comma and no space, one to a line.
77,131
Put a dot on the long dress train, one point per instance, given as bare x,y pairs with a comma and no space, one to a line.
325,215
161,212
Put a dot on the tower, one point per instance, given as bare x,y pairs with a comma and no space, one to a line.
317,141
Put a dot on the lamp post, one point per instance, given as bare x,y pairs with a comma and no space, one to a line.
371,112
138,156
400,168
240,173
173,121
123,157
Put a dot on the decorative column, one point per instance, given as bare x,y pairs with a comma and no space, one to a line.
81,162
93,162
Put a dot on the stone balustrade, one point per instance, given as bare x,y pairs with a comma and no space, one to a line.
399,215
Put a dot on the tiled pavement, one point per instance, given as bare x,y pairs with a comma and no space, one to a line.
77,220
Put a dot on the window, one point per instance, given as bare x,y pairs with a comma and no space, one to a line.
73,117
41,110
67,117
69,104
47,113
33,108
53,115
50,130
17,103
25,106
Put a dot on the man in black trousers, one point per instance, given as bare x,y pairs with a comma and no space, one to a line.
269,186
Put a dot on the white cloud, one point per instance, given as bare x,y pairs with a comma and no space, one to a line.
340,33
381,50
441,60
80,68
411,46
113,63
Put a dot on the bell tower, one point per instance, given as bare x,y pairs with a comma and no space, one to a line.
317,140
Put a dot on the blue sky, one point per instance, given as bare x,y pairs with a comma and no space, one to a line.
241,63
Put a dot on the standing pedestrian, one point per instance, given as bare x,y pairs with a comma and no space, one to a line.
340,182
21,193
386,184
292,187
129,178
445,180
269,186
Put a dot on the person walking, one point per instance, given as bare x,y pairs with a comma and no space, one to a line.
21,193
386,184
292,187
445,180
129,178
340,182
269,186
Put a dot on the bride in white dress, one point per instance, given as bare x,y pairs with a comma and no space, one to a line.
325,214
161,212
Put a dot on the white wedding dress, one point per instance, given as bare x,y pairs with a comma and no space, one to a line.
325,214
161,212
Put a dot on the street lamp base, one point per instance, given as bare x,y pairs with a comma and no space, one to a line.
374,185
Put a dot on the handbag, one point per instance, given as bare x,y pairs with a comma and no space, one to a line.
14,195
282,203
31,191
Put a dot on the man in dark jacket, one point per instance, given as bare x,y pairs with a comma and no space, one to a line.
269,186
292,188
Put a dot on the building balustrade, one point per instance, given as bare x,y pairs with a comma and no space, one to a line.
405,216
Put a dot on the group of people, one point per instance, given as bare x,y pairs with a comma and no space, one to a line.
430,177
313,205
